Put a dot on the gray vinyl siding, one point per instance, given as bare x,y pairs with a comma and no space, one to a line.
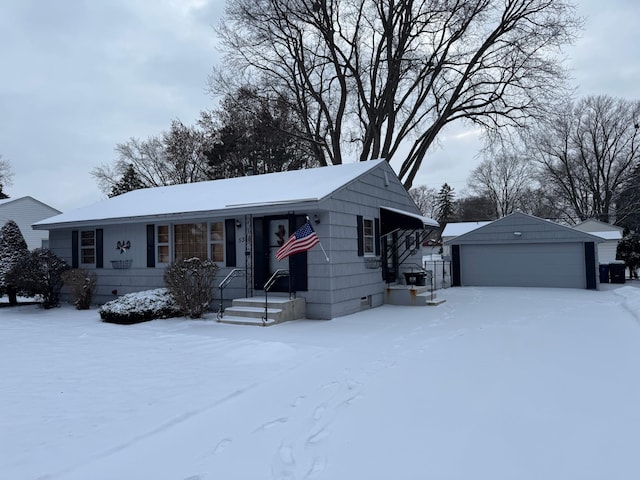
351,279
523,265
525,251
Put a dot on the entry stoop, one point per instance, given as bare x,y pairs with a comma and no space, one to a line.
250,311
411,295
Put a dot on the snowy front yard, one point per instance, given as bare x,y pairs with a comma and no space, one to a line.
496,383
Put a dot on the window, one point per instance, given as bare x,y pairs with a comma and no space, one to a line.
88,247
163,244
217,241
190,240
367,236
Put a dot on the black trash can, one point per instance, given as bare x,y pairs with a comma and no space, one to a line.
604,273
616,272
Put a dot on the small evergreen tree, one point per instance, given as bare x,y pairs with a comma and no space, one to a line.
629,252
446,206
129,182
12,248
39,273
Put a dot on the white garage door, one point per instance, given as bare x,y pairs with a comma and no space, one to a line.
523,265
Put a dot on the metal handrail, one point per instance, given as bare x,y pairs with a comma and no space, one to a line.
236,272
267,286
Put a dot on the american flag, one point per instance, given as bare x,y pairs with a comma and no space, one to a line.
302,240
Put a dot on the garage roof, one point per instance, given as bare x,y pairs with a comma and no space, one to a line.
520,227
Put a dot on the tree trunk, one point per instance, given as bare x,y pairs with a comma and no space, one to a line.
12,293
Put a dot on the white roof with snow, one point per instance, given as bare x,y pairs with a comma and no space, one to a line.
608,235
460,228
296,186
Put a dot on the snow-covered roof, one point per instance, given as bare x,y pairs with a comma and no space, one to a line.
460,228
608,235
280,188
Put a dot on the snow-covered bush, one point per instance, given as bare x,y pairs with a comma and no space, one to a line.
140,307
39,273
191,282
12,248
82,284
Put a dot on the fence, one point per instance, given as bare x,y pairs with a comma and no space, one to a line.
440,273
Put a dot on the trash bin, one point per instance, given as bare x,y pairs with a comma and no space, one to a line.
415,278
616,272
604,273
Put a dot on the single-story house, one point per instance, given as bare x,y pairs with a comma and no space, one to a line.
521,250
25,211
610,234
368,226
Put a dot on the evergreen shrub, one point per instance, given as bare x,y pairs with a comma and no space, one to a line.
140,307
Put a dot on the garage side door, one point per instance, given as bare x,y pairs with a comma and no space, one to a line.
523,265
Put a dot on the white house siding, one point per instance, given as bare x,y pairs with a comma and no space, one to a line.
26,211
607,251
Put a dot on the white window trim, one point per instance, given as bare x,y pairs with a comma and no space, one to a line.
82,248
372,253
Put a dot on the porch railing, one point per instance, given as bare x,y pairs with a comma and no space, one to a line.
268,285
236,272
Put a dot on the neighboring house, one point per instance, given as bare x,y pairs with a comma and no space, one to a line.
525,251
611,235
367,223
455,229
25,211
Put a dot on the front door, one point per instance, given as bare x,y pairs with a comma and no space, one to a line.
269,234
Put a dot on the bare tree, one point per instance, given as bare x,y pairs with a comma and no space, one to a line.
380,74
178,156
426,200
6,176
588,152
504,176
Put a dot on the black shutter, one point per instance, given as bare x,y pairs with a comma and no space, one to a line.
298,263
590,263
360,236
230,242
260,260
74,249
151,245
376,226
455,266
99,248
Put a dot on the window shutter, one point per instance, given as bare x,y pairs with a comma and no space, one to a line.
99,248
75,254
230,242
151,245
360,236
376,226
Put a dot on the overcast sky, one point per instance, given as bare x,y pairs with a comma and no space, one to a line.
77,77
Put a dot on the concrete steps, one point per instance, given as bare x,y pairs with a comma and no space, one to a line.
251,311
411,295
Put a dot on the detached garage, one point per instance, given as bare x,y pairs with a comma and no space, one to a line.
520,250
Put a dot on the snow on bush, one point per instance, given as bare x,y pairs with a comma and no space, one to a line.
191,282
140,307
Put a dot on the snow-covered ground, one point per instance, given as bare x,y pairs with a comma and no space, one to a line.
496,383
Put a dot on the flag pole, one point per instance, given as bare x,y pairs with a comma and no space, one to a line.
319,242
